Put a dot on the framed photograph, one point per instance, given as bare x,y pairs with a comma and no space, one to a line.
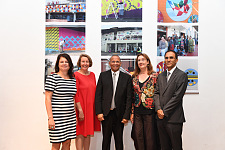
183,39
65,39
123,41
65,10
121,10
171,11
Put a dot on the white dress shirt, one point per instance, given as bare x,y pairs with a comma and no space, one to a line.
171,72
116,80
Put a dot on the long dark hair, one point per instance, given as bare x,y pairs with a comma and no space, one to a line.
70,71
149,67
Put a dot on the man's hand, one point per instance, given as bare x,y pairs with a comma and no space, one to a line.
124,121
100,117
160,114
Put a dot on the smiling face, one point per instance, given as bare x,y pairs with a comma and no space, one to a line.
84,63
170,60
142,62
115,63
63,64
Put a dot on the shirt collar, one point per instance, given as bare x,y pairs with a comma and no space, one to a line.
117,72
172,70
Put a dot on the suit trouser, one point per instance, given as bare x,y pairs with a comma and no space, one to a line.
144,132
112,124
170,135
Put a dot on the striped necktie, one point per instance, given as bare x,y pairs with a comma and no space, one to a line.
168,75
114,91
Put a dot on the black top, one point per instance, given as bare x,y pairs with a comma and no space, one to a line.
141,109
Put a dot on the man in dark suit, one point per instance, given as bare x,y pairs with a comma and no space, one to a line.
113,102
170,88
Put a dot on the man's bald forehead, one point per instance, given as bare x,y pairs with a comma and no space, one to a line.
114,56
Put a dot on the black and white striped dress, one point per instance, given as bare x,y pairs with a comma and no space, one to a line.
63,110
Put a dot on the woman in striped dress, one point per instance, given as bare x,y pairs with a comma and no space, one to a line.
60,88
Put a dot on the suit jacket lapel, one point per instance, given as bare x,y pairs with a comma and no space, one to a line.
119,82
164,80
171,79
110,81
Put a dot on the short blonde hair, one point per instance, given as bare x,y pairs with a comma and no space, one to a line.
84,55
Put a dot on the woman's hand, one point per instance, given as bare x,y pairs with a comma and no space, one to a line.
132,118
51,124
80,110
81,115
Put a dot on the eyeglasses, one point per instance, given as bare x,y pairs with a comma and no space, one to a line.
171,57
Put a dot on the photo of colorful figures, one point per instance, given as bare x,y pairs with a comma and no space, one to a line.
65,10
64,39
183,39
171,11
121,10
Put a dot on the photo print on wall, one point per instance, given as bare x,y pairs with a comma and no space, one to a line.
171,11
121,10
64,39
65,10
183,39
123,41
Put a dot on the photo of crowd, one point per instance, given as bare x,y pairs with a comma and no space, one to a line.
183,39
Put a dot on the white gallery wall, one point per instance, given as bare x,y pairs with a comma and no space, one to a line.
23,118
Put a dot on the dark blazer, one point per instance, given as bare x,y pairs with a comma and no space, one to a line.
169,96
123,95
